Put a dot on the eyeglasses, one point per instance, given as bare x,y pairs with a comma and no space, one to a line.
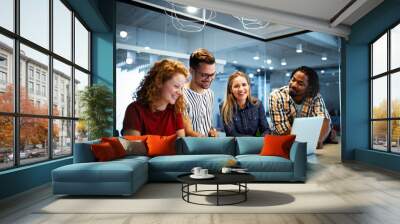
206,76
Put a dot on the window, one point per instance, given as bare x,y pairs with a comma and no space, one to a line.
30,72
3,78
53,125
385,96
30,87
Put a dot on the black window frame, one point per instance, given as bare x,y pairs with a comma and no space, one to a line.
16,115
388,74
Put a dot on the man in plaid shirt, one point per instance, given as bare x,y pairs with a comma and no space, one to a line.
301,98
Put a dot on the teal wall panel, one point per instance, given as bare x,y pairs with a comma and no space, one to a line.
355,81
24,178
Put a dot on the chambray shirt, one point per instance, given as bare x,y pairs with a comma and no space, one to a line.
247,121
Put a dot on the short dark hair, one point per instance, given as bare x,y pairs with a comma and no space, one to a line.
201,55
313,81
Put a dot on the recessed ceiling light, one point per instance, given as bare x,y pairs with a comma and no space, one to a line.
191,9
283,62
324,57
258,70
271,68
299,48
287,74
322,71
129,61
147,47
256,57
235,62
251,75
269,61
123,34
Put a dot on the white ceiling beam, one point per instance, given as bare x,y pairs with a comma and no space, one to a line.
269,15
348,12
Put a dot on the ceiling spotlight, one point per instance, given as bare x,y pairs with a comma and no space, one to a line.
283,62
271,68
258,70
123,34
324,57
147,48
129,61
191,9
287,74
129,58
256,57
268,61
322,71
299,48
251,75
234,62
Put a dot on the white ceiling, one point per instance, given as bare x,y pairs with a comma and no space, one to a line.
316,15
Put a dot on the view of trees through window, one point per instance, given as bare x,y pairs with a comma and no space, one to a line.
37,112
385,79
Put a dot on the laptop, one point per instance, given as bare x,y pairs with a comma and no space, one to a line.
307,129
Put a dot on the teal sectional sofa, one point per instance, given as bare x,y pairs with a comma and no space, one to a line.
125,176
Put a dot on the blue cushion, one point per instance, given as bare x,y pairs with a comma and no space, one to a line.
98,171
185,163
249,145
83,153
257,163
206,145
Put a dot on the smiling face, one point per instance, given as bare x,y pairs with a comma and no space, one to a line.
240,89
171,90
203,75
298,85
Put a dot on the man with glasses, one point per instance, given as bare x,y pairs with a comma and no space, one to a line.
198,95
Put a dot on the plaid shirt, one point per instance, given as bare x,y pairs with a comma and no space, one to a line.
282,109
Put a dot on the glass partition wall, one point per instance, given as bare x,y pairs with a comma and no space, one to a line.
146,34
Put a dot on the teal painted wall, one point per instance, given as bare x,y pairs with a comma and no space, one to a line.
99,17
355,95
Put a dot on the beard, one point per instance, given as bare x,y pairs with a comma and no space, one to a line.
292,93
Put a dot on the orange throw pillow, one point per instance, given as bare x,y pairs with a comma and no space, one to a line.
116,145
277,145
103,151
161,145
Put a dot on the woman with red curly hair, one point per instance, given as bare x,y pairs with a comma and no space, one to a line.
159,102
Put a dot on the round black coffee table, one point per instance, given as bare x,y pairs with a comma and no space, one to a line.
238,179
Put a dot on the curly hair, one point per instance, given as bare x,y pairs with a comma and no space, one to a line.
313,81
230,101
149,89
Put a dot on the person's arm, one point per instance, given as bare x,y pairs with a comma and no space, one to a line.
263,126
187,123
132,132
279,119
319,109
132,121
180,133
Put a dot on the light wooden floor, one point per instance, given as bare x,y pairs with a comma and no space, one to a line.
379,190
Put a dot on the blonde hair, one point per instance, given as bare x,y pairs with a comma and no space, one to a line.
150,87
230,101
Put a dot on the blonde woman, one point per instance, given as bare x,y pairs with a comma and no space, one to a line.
159,102
242,114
